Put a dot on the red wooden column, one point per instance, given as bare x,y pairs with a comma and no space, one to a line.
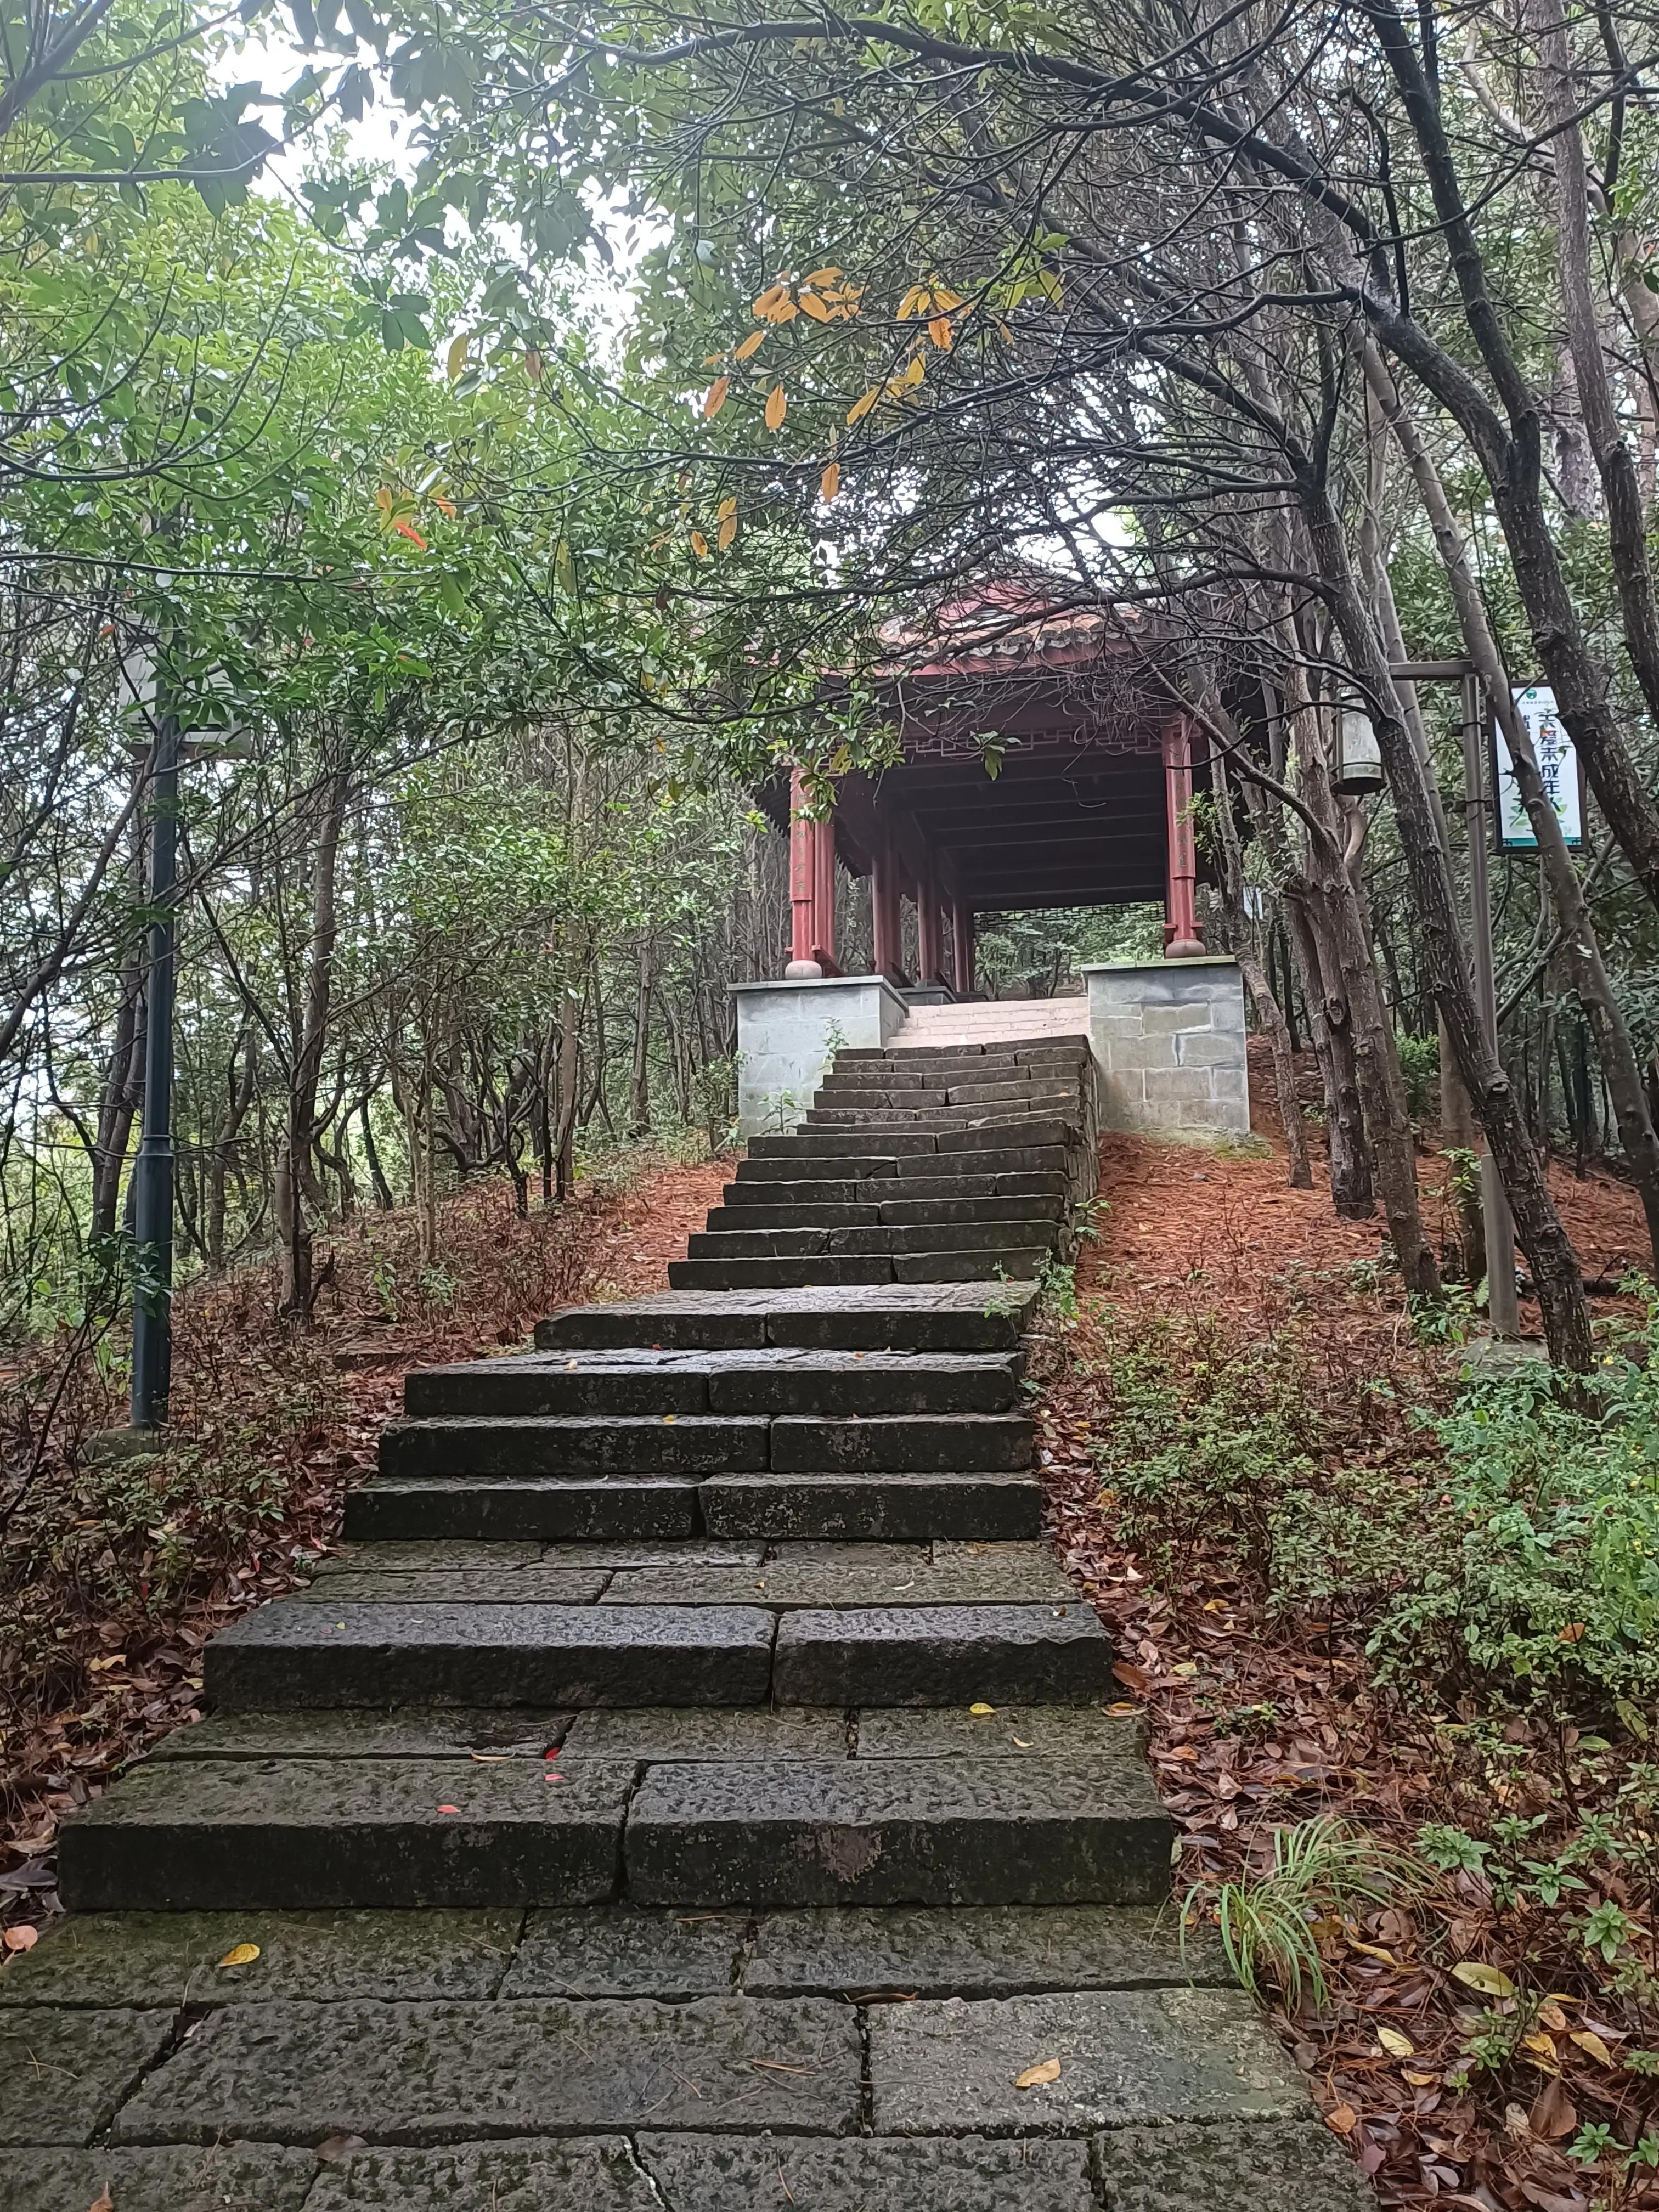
823,897
1181,938
886,921
930,936
962,948
803,881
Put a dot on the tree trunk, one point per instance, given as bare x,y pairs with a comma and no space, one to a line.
638,1088
1273,1022
1345,1123
568,1068
294,1165
1555,1264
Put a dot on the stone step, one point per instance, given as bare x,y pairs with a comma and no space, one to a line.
569,1445
307,1656
945,1654
617,1509
786,1193
1023,1161
1023,1263
210,1835
796,1577
899,1214
829,1146
735,1238
755,1243
896,1832
764,1206
899,1508
959,1100
879,1114
900,1443
909,1318
766,1381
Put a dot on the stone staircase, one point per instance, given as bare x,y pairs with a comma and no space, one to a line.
693,1785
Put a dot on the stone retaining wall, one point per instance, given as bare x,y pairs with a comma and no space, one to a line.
1169,1038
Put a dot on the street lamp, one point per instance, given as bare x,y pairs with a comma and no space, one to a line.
1359,756
148,694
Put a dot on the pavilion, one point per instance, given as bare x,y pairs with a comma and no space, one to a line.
1040,763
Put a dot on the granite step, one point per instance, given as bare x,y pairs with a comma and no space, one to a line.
963,1832
308,1655
942,1655
889,1190
738,1234
1023,1263
900,1443
855,1318
571,1444
900,1509
206,1835
613,1509
764,1381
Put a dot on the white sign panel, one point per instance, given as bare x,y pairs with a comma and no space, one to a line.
1557,764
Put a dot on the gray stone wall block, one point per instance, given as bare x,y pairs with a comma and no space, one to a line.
1169,1038
789,1033
1179,1086
1142,1053
1205,1049
1160,1019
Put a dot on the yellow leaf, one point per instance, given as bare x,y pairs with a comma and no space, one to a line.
1343,2118
829,481
945,298
727,532
1372,1951
383,500
456,361
1540,2045
1552,2016
776,407
914,302
1396,2045
1591,2044
1489,1981
982,1709
103,2202
915,371
820,277
772,297
699,544
727,506
1418,2081
812,306
243,1954
1035,2076
861,406
939,331
750,346
715,398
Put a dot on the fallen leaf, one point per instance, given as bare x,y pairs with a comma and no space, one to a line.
242,1954
1489,1981
982,1709
1552,2114
1418,2081
339,2145
1344,2119
103,2202
1035,2076
1552,2016
1398,2046
449,1809
1372,1951
1591,2043
22,1937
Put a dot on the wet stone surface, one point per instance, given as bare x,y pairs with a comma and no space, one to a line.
1158,2058
621,1951
714,1732
791,1584
1001,1949
422,2073
701,2173
434,1555
64,2073
206,1835
173,1958
1007,1732
578,2175
1294,2166
524,1585
223,2178
614,1558
943,1655
406,1732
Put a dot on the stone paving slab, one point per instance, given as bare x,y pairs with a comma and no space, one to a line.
483,1655
893,1316
1002,1950
64,2073
610,1509
893,1831
579,2174
355,1732
703,2174
571,1444
620,1951
934,1655
899,1443
223,2178
435,1555
1293,2165
623,1382
200,1835
787,1585
616,1557
802,1381
693,1732
1161,2058
420,2073
1007,1732
526,1585
885,1508
172,1958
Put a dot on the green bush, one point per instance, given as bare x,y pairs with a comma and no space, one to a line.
1543,1573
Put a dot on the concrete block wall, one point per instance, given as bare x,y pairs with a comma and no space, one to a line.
1168,1039
788,1033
